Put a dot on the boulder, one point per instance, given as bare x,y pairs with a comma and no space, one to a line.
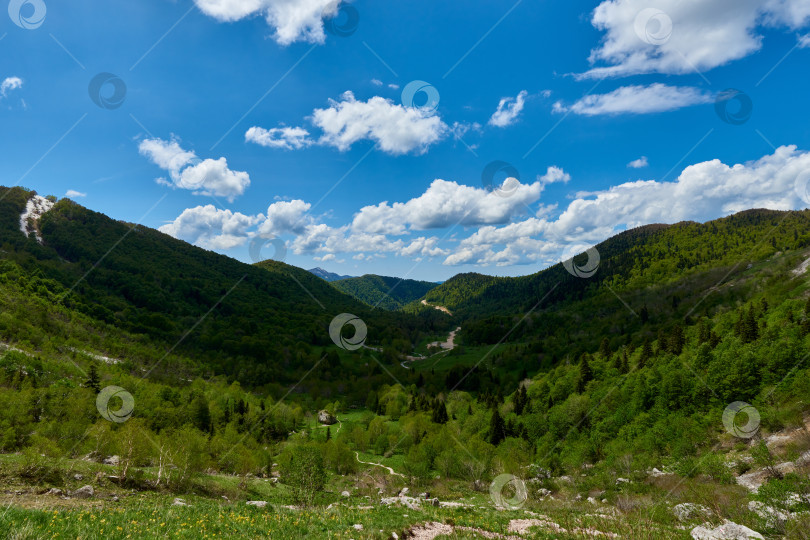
345,494
112,460
78,476
54,491
325,417
687,511
84,492
257,504
727,531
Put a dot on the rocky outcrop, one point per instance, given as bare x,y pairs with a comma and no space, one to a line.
727,531
325,417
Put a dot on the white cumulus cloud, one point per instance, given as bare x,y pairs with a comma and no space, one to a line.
288,138
639,163
293,20
203,177
211,228
73,194
684,36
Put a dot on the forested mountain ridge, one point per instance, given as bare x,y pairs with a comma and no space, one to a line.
237,319
388,293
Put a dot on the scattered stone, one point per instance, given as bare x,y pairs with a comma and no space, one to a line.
403,492
423,495
543,492
358,526
84,492
54,491
345,494
753,480
78,476
772,516
687,511
622,481
325,417
655,473
179,502
727,531
257,504
112,460
410,502
592,500
114,498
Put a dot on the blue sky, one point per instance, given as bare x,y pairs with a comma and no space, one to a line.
315,135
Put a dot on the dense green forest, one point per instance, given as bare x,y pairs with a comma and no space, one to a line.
228,364
384,292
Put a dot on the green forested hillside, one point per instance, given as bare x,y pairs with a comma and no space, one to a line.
384,292
578,381
243,321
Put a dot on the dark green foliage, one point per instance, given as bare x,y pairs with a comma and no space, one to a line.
439,415
93,381
497,429
385,292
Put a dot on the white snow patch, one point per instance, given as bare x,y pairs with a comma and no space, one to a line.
34,209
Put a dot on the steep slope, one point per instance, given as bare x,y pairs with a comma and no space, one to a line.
241,320
385,292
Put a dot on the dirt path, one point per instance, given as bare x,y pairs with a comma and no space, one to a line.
448,345
390,470
440,308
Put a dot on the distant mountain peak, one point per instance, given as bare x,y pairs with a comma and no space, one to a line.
326,275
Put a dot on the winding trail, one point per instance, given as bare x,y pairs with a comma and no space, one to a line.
390,470
448,345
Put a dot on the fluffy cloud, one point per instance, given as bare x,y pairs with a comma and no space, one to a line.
73,194
210,227
637,100
293,20
285,217
445,204
703,191
395,128
186,171
508,110
8,84
639,163
677,36
288,138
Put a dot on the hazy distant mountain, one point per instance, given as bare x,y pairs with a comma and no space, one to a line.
328,276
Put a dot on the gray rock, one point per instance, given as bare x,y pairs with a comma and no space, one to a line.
78,476
727,531
403,492
345,494
84,492
687,511
112,460
325,417
179,502
54,491
257,504
771,515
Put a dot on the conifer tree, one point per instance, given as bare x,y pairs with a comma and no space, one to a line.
497,429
